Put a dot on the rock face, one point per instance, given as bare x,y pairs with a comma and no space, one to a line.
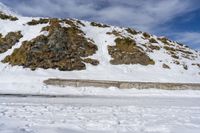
165,66
9,40
7,17
62,48
40,21
127,52
99,25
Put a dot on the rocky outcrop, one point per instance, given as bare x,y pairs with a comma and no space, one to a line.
63,48
4,16
151,47
91,61
131,31
127,52
99,25
196,64
9,40
40,21
165,66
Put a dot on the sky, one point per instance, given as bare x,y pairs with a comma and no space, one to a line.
178,20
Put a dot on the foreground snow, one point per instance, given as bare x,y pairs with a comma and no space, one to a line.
143,114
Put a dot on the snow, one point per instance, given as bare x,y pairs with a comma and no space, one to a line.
103,114
90,109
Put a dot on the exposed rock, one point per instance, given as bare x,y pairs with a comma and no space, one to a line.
9,40
169,48
166,66
62,49
153,47
177,62
115,33
79,22
91,61
7,17
146,35
196,64
175,56
99,25
152,40
40,21
127,52
164,40
132,31
179,50
184,51
70,22
182,45
185,66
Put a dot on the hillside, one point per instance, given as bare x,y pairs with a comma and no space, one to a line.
35,49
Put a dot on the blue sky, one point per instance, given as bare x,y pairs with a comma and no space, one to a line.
177,19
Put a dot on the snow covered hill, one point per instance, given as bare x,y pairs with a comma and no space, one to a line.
35,49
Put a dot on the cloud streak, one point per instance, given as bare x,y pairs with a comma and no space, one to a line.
142,14
188,37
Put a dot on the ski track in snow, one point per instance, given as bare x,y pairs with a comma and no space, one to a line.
140,115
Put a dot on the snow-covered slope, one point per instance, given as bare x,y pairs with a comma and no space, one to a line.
172,62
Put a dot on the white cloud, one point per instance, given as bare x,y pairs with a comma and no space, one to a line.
145,15
188,38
